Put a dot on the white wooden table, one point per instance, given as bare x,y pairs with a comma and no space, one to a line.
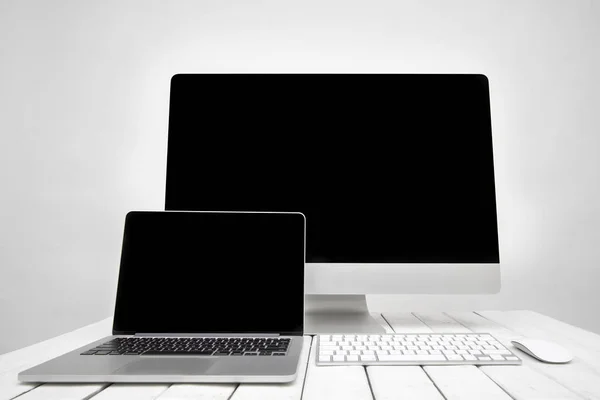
579,379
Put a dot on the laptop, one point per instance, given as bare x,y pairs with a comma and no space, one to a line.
201,297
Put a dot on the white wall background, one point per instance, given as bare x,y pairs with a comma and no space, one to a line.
84,89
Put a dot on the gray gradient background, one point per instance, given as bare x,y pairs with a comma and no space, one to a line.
84,92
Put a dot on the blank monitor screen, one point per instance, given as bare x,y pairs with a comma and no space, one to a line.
387,168
211,273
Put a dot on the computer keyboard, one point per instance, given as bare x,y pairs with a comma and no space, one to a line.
413,349
212,346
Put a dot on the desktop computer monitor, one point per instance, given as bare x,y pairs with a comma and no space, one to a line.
394,173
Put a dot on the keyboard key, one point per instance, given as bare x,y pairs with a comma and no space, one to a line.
339,358
177,353
327,343
490,352
352,358
88,353
324,358
396,357
368,358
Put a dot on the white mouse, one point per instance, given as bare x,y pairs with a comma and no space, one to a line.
543,350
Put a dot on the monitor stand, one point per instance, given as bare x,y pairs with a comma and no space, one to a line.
326,313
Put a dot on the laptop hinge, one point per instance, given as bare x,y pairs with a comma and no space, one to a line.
208,334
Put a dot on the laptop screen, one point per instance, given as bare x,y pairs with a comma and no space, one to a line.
210,272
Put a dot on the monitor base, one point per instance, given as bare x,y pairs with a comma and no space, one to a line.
326,313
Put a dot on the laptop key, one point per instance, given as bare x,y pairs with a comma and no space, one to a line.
88,353
177,353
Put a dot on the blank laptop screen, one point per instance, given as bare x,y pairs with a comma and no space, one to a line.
193,272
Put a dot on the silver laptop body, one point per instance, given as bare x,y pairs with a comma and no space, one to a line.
252,356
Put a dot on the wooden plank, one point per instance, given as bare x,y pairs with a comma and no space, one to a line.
379,318
399,382
582,344
406,322
476,323
14,362
10,387
62,391
452,384
132,391
523,382
291,390
44,351
582,336
348,383
577,377
441,323
396,382
204,391
465,382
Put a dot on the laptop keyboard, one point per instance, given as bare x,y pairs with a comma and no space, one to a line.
153,346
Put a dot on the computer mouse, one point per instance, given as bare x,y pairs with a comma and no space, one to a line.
543,350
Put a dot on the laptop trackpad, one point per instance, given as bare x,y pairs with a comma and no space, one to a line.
168,366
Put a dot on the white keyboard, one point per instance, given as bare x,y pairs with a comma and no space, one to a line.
413,349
